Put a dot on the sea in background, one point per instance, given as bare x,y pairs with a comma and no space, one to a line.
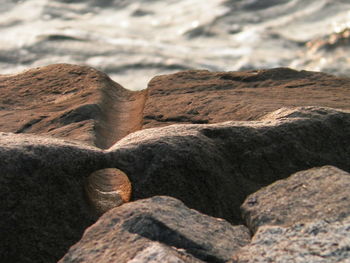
133,41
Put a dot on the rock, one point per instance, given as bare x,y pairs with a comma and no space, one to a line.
213,168
81,103
318,241
108,188
43,204
71,102
210,167
159,229
201,96
321,193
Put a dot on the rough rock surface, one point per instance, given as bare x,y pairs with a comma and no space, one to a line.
201,96
43,207
157,228
210,167
81,103
213,168
69,101
321,193
314,242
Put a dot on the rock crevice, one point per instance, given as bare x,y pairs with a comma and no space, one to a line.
209,139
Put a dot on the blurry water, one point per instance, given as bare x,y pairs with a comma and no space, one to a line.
134,40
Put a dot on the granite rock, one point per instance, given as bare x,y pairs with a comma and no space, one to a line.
43,204
318,193
159,229
214,167
319,241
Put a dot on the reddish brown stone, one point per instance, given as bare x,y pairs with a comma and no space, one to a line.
209,97
69,101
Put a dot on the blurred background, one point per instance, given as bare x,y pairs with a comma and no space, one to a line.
133,41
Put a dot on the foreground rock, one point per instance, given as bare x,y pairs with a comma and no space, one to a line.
201,96
318,193
69,101
213,168
43,205
314,242
159,229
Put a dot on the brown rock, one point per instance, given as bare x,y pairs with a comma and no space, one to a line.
81,103
43,205
210,167
69,101
321,193
108,188
201,96
159,229
213,168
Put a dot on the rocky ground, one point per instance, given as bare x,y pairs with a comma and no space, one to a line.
246,166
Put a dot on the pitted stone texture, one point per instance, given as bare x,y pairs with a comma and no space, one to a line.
160,224
43,205
214,167
313,242
318,193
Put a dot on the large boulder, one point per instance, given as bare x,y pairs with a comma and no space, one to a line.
313,242
321,193
43,205
210,167
69,101
200,96
213,168
159,229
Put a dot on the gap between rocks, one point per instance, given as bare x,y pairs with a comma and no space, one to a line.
121,114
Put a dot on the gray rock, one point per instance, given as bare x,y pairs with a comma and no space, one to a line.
313,242
213,168
43,205
159,229
321,193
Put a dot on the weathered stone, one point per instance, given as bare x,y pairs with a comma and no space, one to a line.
213,168
200,96
43,205
159,229
321,193
81,103
314,242
69,101
108,188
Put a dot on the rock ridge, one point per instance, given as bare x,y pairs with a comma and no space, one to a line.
81,103
225,136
